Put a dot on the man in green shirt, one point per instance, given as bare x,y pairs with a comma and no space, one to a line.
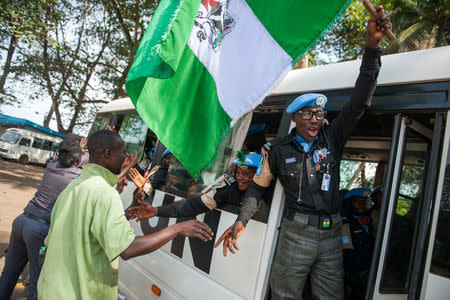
89,230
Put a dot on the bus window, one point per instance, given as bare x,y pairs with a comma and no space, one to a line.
47,145
10,137
102,121
55,146
399,259
180,182
356,174
25,142
38,143
440,262
133,132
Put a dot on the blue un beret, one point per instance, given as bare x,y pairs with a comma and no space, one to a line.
251,160
317,100
358,192
165,153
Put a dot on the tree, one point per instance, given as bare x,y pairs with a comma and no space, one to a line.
129,20
19,21
66,61
346,41
420,24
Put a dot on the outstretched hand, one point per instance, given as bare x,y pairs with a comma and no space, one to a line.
143,210
230,236
377,26
113,128
123,182
137,178
195,228
83,143
130,160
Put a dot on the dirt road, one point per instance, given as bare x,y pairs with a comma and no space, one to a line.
18,183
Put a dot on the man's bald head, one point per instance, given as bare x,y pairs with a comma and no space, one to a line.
102,140
106,149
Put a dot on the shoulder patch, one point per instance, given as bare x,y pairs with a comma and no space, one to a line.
221,182
229,180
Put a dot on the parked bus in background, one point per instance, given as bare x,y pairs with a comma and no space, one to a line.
25,145
402,141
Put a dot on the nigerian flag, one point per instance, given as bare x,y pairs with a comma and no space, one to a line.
202,64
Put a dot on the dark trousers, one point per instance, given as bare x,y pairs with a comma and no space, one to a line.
303,249
27,237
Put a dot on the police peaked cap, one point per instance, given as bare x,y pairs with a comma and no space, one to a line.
251,160
358,192
314,100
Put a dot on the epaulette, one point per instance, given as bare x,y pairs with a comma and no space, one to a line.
221,182
230,180
269,145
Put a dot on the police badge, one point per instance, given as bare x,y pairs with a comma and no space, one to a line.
320,101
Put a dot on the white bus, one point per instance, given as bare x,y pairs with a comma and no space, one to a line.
26,145
402,141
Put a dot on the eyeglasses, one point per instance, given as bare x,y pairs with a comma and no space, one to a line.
308,114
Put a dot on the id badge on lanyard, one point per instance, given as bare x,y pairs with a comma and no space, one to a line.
326,182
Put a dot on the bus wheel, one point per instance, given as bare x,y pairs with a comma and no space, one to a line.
23,159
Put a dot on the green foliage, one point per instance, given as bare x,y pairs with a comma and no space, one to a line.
418,24
24,19
403,206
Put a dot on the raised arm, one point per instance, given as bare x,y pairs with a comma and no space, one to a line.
341,128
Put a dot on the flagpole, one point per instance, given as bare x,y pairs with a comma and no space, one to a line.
373,12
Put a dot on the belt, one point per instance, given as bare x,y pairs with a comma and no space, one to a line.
36,218
319,221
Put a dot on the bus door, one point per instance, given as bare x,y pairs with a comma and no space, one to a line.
407,210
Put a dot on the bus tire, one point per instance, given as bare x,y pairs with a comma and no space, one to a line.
23,159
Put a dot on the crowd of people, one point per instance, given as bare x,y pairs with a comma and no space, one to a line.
76,218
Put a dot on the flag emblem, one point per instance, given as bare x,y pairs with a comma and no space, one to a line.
213,24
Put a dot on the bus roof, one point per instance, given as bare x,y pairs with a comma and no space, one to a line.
36,133
13,121
401,68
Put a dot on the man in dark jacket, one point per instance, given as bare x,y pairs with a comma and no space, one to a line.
307,164
226,190
30,228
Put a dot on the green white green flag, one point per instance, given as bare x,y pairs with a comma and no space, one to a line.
202,64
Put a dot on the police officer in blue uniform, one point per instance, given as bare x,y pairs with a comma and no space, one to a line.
358,240
307,164
226,190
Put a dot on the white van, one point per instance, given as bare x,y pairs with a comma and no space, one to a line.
402,141
26,146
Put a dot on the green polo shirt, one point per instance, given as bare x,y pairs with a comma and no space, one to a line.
88,232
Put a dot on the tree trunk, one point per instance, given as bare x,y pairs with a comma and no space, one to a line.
48,118
6,69
303,62
355,175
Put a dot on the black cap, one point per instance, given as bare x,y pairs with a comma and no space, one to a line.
70,145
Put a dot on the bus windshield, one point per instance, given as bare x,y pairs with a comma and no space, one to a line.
10,137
